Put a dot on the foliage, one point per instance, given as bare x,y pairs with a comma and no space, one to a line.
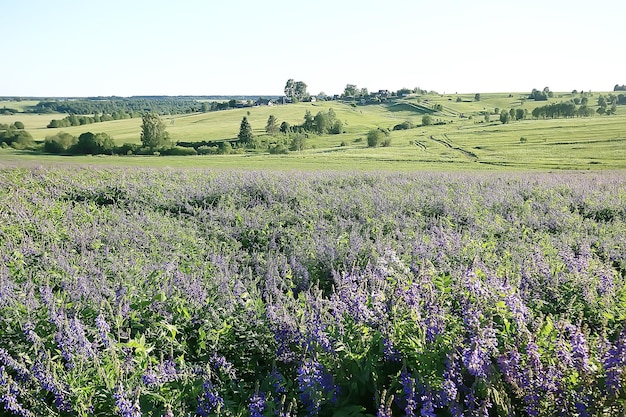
374,137
16,137
271,127
59,143
194,292
296,90
153,133
427,120
92,144
245,135
406,125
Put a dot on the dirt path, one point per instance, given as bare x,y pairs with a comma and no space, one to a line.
445,142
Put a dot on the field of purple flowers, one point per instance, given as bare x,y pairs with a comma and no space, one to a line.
161,292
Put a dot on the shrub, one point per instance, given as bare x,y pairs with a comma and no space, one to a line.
179,151
278,149
59,143
374,137
404,126
225,148
207,150
386,142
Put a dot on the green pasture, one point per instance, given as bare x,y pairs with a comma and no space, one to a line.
464,143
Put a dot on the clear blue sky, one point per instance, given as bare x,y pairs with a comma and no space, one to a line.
202,47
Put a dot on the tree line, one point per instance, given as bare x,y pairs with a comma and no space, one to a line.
79,120
130,105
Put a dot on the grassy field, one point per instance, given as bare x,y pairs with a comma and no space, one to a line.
465,142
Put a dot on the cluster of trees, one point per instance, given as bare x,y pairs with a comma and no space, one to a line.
154,140
619,87
13,135
111,105
87,143
542,95
74,120
322,123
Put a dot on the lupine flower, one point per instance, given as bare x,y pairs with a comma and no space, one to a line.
580,351
210,401
125,407
428,408
103,330
29,332
408,393
477,356
315,385
257,405
221,364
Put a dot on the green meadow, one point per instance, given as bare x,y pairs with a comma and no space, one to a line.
460,137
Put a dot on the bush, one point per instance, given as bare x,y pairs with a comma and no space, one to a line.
59,143
225,148
374,137
427,120
404,126
207,150
19,125
386,142
179,151
278,149
127,149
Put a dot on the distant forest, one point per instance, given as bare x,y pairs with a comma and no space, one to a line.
139,104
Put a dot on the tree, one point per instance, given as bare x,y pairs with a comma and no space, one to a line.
271,127
284,127
290,88
296,90
505,116
321,123
153,134
427,120
350,91
301,94
245,135
477,97
308,121
19,125
520,114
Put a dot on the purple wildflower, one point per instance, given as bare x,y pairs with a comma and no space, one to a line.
257,405
428,408
29,332
210,401
408,393
580,351
103,329
123,406
315,386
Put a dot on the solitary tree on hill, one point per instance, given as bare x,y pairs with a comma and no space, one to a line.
153,134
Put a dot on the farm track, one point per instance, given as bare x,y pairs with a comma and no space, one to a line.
420,145
447,144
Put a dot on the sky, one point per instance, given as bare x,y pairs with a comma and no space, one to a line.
57,48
